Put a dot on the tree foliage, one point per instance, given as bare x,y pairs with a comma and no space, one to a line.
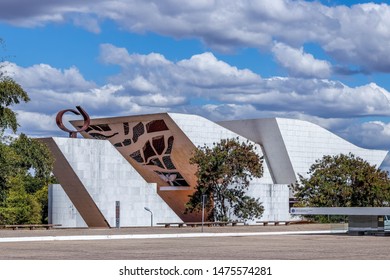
19,207
8,160
343,181
25,171
11,93
35,155
224,172
25,164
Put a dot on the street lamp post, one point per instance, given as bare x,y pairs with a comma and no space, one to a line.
151,215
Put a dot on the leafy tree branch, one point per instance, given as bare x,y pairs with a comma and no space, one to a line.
224,173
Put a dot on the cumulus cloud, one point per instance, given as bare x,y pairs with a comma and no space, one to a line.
352,36
154,80
37,76
152,83
322,98
355,38
221,112
362,36
89,23
205,70
200,75
370,134
111,54
31,13
50,89
205,76
40,124
301,64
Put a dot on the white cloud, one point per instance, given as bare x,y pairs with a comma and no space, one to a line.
111,54
205,76
139,83
31,13
362,36
354,36
52,89
159,100
301,64
229,112
39,75
89,23
148,87
206,70
153,73
370,134
38,124
155,81
151,83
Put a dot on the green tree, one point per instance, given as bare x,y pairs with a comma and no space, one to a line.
35,168
224,172
34,156
19,207
25,163
42,196
342,181
25,172
8,160
11,93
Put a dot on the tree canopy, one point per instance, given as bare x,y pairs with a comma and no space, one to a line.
343,181
11,93
25,164
25,172
224,172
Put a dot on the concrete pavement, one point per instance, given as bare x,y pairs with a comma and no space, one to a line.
240,242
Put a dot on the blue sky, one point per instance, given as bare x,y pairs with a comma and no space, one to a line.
323,61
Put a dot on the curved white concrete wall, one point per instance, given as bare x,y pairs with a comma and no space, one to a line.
202,132
292,146
306,142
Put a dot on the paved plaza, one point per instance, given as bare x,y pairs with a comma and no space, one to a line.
272,242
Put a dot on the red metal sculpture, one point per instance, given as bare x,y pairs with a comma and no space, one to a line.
73,133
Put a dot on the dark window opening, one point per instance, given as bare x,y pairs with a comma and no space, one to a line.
157,125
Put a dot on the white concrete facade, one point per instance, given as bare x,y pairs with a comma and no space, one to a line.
61,209
108,178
